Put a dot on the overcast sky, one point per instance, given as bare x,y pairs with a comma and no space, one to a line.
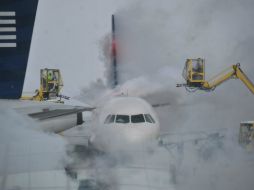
67,35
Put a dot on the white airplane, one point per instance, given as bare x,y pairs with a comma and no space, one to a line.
129,120
16,29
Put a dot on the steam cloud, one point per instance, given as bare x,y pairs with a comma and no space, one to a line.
26,151
154,39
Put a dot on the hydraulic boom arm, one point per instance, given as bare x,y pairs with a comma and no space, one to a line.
241,75
194,75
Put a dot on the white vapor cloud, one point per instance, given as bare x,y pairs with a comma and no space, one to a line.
154,39
27,151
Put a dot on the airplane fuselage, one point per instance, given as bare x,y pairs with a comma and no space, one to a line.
125,120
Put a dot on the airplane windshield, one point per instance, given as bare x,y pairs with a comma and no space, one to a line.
137,118
112,119
109,119
149,118
122,119
140,118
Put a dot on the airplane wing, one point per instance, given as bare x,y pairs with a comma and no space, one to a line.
195,137
162,102
50,117
49,114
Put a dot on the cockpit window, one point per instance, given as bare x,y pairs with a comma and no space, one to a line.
140,118
109,119
149,118
122,119
112,119
137,118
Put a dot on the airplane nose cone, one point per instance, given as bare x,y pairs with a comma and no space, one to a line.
121,137
141,133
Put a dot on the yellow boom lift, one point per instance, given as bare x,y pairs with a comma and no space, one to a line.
50,86
194,74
